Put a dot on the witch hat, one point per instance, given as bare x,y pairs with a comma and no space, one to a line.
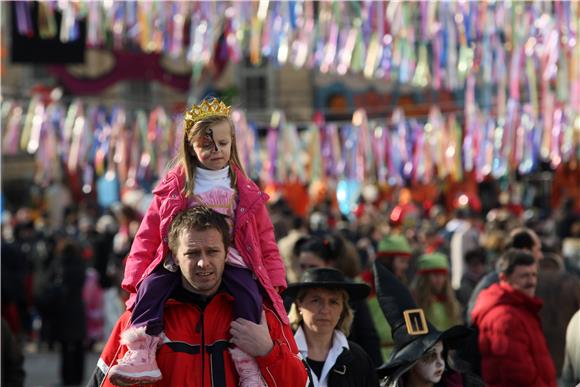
412,333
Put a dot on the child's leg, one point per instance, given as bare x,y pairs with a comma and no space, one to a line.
142,338
241,284
152,294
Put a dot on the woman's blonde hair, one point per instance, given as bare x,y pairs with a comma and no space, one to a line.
187,158
344,322
424,294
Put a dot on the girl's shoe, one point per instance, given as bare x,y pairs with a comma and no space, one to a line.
139,365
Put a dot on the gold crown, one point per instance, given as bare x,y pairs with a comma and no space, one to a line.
208,108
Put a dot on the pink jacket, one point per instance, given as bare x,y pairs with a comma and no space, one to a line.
253,236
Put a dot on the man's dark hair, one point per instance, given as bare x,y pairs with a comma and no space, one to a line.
514,257
477,255
521,238
199,218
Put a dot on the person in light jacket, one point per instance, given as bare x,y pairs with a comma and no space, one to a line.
571,369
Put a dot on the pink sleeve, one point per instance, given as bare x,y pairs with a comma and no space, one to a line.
144,247
270,254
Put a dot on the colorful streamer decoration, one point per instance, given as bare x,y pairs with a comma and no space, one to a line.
94,142
517,64
380,40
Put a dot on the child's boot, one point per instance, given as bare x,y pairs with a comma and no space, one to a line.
247,368
138,366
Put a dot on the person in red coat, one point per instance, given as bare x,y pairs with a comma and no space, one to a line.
511,342
200,323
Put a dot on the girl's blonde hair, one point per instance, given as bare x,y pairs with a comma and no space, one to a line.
344,322
424,293
189,161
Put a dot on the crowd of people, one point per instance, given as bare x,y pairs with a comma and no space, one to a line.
216,285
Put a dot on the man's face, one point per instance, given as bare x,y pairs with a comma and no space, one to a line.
201,256
524,279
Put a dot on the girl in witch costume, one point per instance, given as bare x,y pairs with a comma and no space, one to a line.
208,171
422,355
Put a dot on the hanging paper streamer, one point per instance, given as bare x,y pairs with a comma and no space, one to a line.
399,153
69,25
380,145
24,18
419,154
108,190
485,152
422,76
531,148
348,192
436,137
453,152
364,151
555,154
46,20
11,137
469,143
314,151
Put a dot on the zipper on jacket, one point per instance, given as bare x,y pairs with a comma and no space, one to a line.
202,348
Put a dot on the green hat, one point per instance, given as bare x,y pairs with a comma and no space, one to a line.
394,245
434,262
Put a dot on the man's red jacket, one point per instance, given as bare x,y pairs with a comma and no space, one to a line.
196,354
511,342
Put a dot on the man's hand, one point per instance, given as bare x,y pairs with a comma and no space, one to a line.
252,338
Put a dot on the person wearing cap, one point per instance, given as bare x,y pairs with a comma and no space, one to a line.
422,352
394,252
432,290
321,317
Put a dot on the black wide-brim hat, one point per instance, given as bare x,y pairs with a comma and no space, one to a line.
395,301
327,278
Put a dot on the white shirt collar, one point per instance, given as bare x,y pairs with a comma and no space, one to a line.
207,179
339,343
210,174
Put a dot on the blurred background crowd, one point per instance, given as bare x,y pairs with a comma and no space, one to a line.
62,265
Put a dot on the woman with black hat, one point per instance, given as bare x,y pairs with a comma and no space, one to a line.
321,318
421,353
332,250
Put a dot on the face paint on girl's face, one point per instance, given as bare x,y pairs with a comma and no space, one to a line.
214,148
431,366
209,134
